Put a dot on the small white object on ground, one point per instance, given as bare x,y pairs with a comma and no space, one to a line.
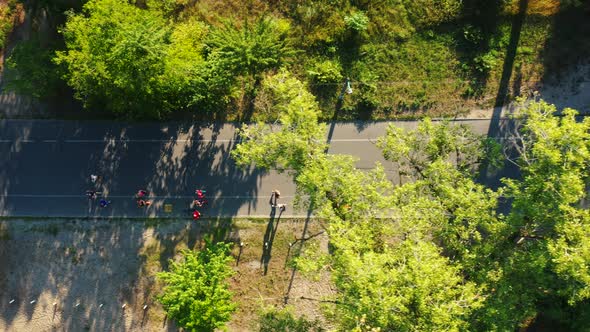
32,302
123,306
100,306
12,301
145,307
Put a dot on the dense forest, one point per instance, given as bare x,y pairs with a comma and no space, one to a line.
163,59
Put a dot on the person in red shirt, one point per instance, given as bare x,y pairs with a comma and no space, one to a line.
196,215
200,193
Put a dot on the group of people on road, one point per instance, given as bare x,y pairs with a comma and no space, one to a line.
141,196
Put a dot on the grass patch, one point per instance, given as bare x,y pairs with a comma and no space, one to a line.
4,232
52,228
9,11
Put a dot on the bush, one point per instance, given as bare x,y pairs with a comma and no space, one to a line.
357,21
196,292
325,71
8,11
31,70
273,319
486,62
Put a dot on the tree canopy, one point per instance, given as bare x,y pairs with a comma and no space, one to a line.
435,253
196,293
114,56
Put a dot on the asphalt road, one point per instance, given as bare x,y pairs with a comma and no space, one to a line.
45,167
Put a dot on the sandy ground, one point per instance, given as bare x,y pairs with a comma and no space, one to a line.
569,90
60,272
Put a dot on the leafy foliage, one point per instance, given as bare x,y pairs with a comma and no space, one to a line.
8,11
31,70
282,320
386,272
250,49
554,159
416,150
299,136
434,254
114,57
357,21
196,293
325,71
545,257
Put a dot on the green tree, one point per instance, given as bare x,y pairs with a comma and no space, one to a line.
443,158
184,81
546,264
114,56
415,150
554,159
383,261
196,293
31,70
298,138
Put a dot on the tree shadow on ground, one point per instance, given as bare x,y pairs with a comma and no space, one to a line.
481,22
169,160
91,269
566,61
499,128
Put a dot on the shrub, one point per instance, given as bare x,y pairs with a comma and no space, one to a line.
282,320
8,11
197,294
31,70
325,71
486,62
357,21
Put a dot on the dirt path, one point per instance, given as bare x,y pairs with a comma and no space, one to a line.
69,268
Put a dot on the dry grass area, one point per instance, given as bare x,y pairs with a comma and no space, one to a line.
80,273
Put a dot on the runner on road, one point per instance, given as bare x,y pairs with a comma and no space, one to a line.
143,203
91,194
200,193
196,215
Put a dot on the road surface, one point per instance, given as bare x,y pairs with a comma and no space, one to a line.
45,167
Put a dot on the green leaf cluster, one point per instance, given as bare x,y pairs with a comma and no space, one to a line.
298,137
252,48
196,293
114,57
